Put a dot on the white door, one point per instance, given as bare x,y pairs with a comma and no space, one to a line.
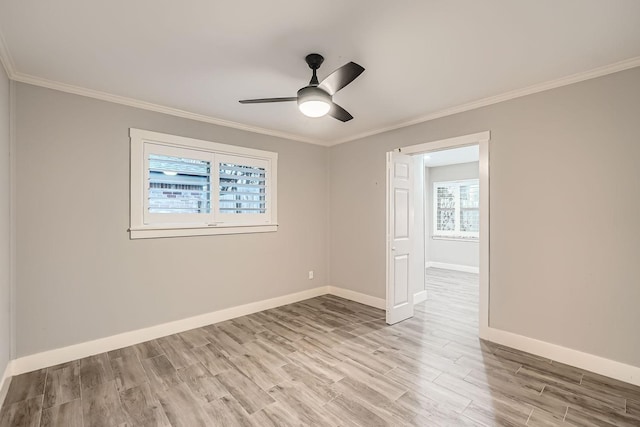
399,233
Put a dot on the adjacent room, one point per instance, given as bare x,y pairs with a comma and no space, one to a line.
362,213
451,218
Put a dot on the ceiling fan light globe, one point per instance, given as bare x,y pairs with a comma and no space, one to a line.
313,101
314,108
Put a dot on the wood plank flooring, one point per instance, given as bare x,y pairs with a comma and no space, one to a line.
325,362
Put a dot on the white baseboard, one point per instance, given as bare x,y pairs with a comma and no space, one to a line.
77,351
610,368
358,297
419,297
600,365
456,267
5,382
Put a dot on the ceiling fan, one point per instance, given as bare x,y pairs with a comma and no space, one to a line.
316,99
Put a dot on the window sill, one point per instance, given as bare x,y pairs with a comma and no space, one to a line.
456,239
152,232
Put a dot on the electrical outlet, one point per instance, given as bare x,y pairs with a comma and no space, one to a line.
310,274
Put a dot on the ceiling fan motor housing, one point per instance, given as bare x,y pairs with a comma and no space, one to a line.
313,93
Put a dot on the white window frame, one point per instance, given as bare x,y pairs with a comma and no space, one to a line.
452,234
144,225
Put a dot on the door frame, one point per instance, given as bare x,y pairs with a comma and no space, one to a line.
482,140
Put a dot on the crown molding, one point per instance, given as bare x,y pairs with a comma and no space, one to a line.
13,74
131,102
529,90
9,66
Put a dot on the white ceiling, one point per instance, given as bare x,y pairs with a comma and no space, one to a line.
421,57
452,156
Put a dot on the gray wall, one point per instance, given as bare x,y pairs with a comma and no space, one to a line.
5,226
565,235
565,240
80,277
467,252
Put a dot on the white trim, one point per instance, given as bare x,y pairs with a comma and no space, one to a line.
445,144
457,239
358,297
150,232
5,382
419,297
485,238
131,102
517,93
455,267
589,362
89,348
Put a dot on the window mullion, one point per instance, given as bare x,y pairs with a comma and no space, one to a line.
456,198
215,188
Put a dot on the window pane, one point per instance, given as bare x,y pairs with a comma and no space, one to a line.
242,189
470,220
470,196
470,207
179,185
446,209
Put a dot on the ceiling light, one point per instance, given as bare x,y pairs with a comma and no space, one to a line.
170,173
314,108
313,101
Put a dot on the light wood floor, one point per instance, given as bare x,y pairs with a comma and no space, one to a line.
324,361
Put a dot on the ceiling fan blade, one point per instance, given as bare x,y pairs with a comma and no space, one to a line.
264,100
337,112
341,77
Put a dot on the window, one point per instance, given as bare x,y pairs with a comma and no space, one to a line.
187,187
456,210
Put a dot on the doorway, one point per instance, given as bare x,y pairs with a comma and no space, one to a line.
407,272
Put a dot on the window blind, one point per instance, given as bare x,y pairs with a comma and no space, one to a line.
242,189
179,185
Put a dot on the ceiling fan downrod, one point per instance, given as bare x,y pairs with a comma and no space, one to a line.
314,60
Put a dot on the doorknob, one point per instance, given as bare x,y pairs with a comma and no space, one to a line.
393,248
